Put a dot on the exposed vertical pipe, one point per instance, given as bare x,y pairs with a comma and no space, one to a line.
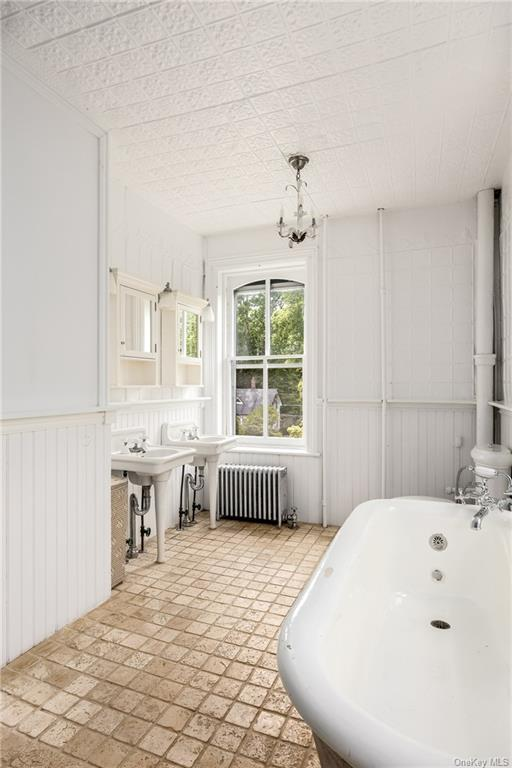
383,354
484,356
324,370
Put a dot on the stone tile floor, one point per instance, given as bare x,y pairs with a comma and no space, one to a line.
178,668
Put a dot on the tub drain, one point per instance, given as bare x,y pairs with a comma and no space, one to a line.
439,624
438,542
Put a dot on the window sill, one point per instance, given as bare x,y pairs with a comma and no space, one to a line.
274,451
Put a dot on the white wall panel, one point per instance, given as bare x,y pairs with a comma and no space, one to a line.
429,319
423,457
304,476
150,244
506,308
56,526
50,254
353,455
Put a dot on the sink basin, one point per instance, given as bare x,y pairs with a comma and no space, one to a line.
208,449
205,445
154,462
154,468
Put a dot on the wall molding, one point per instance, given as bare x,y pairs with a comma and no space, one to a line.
38,422
150,405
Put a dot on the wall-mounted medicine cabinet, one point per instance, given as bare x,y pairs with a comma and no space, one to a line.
134,331
181,335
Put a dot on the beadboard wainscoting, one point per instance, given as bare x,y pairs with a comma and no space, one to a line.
304,478
422,453
56,524
150,416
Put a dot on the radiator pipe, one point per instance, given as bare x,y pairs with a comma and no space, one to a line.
484,356
323,245
383,354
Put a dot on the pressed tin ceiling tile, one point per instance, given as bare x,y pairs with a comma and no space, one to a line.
399,103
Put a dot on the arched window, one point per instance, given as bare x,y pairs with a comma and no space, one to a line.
269,359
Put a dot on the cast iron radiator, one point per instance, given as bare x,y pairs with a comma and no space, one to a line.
252,493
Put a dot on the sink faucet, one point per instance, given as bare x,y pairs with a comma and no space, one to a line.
190,434
137,446
479,492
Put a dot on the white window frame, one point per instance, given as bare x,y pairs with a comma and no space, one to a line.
296,273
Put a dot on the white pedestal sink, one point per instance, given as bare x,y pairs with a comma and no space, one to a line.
207,450
154,467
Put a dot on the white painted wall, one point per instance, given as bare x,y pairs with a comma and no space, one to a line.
56,526
429,261
50,207
55,504
150,244
506,283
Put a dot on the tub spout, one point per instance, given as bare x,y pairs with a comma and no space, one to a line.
476,522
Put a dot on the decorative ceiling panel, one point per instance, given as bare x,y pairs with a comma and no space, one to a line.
397,103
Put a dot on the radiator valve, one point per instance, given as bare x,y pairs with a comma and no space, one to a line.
292,518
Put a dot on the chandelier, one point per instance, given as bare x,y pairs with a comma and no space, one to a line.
299,232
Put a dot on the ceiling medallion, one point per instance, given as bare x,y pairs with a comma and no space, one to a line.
299,232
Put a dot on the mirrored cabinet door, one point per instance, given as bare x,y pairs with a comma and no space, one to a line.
137,323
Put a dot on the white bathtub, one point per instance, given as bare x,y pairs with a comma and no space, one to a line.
363,665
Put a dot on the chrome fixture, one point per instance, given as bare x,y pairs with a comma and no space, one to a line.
190,433
299,232
478,493
135,510
207,314
136,446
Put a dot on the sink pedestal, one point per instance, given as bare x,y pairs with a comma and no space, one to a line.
213,474
162,504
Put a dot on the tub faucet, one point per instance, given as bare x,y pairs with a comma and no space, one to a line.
488,502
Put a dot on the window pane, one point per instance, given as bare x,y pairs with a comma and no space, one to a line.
249,401
250,319
286,318
285,402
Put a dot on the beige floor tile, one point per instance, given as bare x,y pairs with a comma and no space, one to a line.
215,706
269,723
185,751
16,712
109,755
83,711
60,733
252,694
150,708
200,727
84,742
106,721
287,755
158,740
139,759
297,732
241,714
36,723
178,669
175,717
131,729
213,757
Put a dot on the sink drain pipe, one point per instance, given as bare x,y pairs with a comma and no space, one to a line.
135,511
